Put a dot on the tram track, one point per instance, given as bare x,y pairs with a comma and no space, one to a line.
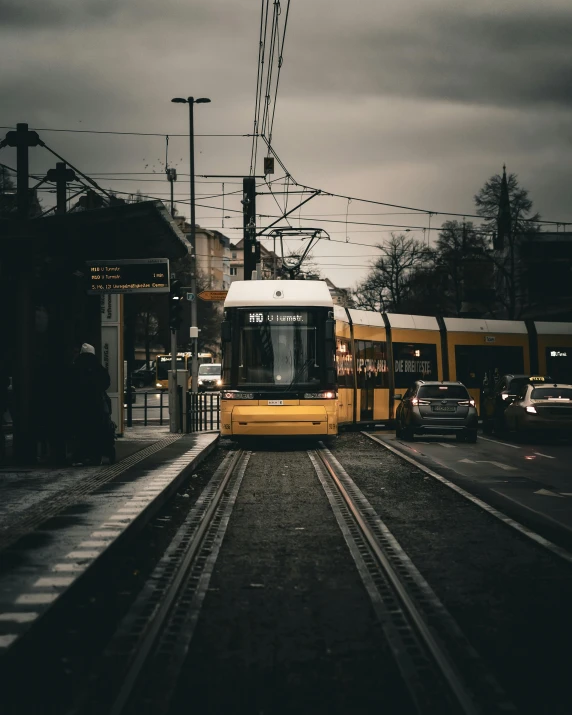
441,670
141,665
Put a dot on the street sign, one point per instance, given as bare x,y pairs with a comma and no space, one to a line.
213,294
190,297
134,275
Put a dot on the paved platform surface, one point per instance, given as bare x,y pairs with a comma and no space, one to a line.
56,523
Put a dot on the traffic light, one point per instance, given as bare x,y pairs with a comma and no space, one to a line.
175,305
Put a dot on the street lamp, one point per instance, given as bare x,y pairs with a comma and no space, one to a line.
191,101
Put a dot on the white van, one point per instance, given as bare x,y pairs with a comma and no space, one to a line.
210,376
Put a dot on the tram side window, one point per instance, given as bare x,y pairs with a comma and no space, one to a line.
559,364
371,364
482,366
414,361
344,363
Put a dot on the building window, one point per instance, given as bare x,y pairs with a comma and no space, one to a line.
233,271
234,254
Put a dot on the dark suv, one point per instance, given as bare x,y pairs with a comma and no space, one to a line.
436,408
498,398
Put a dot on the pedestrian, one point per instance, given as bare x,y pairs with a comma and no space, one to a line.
89,408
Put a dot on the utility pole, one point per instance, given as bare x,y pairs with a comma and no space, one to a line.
62,176
23,368
22,139
172,177
249,225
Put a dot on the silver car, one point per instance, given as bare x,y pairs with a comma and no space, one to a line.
541,408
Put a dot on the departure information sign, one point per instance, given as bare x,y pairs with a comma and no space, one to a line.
134,275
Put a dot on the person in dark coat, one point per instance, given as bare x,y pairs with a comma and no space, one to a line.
89,407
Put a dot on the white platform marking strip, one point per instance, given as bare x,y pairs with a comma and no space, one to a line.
7,640
24,617
82,555
53,582
36,598
566,555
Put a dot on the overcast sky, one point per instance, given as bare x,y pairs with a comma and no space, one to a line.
413,103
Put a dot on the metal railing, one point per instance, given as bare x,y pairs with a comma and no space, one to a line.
150,407
203,411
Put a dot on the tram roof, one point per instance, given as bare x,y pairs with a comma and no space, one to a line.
478,325
278,294
549,328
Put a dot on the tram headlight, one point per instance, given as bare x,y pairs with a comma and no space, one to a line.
330,395
238,395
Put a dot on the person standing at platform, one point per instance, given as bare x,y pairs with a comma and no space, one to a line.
89,407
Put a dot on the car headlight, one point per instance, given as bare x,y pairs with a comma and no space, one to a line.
158,385
219,382
200,382
531,410
504,395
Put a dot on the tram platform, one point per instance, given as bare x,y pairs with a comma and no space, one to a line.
57,524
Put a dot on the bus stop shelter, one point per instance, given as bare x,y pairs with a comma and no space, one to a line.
46,312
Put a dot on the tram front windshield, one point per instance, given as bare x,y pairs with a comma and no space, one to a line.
279,349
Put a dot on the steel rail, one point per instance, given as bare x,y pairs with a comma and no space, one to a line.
154,630
447,670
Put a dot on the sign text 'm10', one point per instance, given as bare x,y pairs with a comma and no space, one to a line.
134,275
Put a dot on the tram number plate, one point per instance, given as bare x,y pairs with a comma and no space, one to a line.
444,409
273,403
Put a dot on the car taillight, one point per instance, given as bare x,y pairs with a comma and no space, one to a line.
417,401
467,402
504,395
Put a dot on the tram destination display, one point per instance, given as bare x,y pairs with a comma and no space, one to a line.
134,275
274,318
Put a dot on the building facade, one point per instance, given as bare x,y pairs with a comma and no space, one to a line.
213,254
271,264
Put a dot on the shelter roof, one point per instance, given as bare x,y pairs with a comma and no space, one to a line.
140,230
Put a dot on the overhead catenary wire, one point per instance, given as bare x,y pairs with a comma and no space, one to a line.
132,134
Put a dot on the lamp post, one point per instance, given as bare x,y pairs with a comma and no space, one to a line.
191,101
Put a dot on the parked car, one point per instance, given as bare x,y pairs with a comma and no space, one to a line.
143,376
210,376
436,408
497,399
541,409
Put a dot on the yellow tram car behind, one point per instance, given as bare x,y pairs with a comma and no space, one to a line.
295,364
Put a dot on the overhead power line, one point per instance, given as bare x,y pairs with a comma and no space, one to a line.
132,134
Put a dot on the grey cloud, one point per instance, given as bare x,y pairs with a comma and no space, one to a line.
519,59
32,14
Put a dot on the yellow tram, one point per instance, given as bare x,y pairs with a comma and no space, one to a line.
295,364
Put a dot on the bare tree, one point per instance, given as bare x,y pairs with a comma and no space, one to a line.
387,285
461,255
298,267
